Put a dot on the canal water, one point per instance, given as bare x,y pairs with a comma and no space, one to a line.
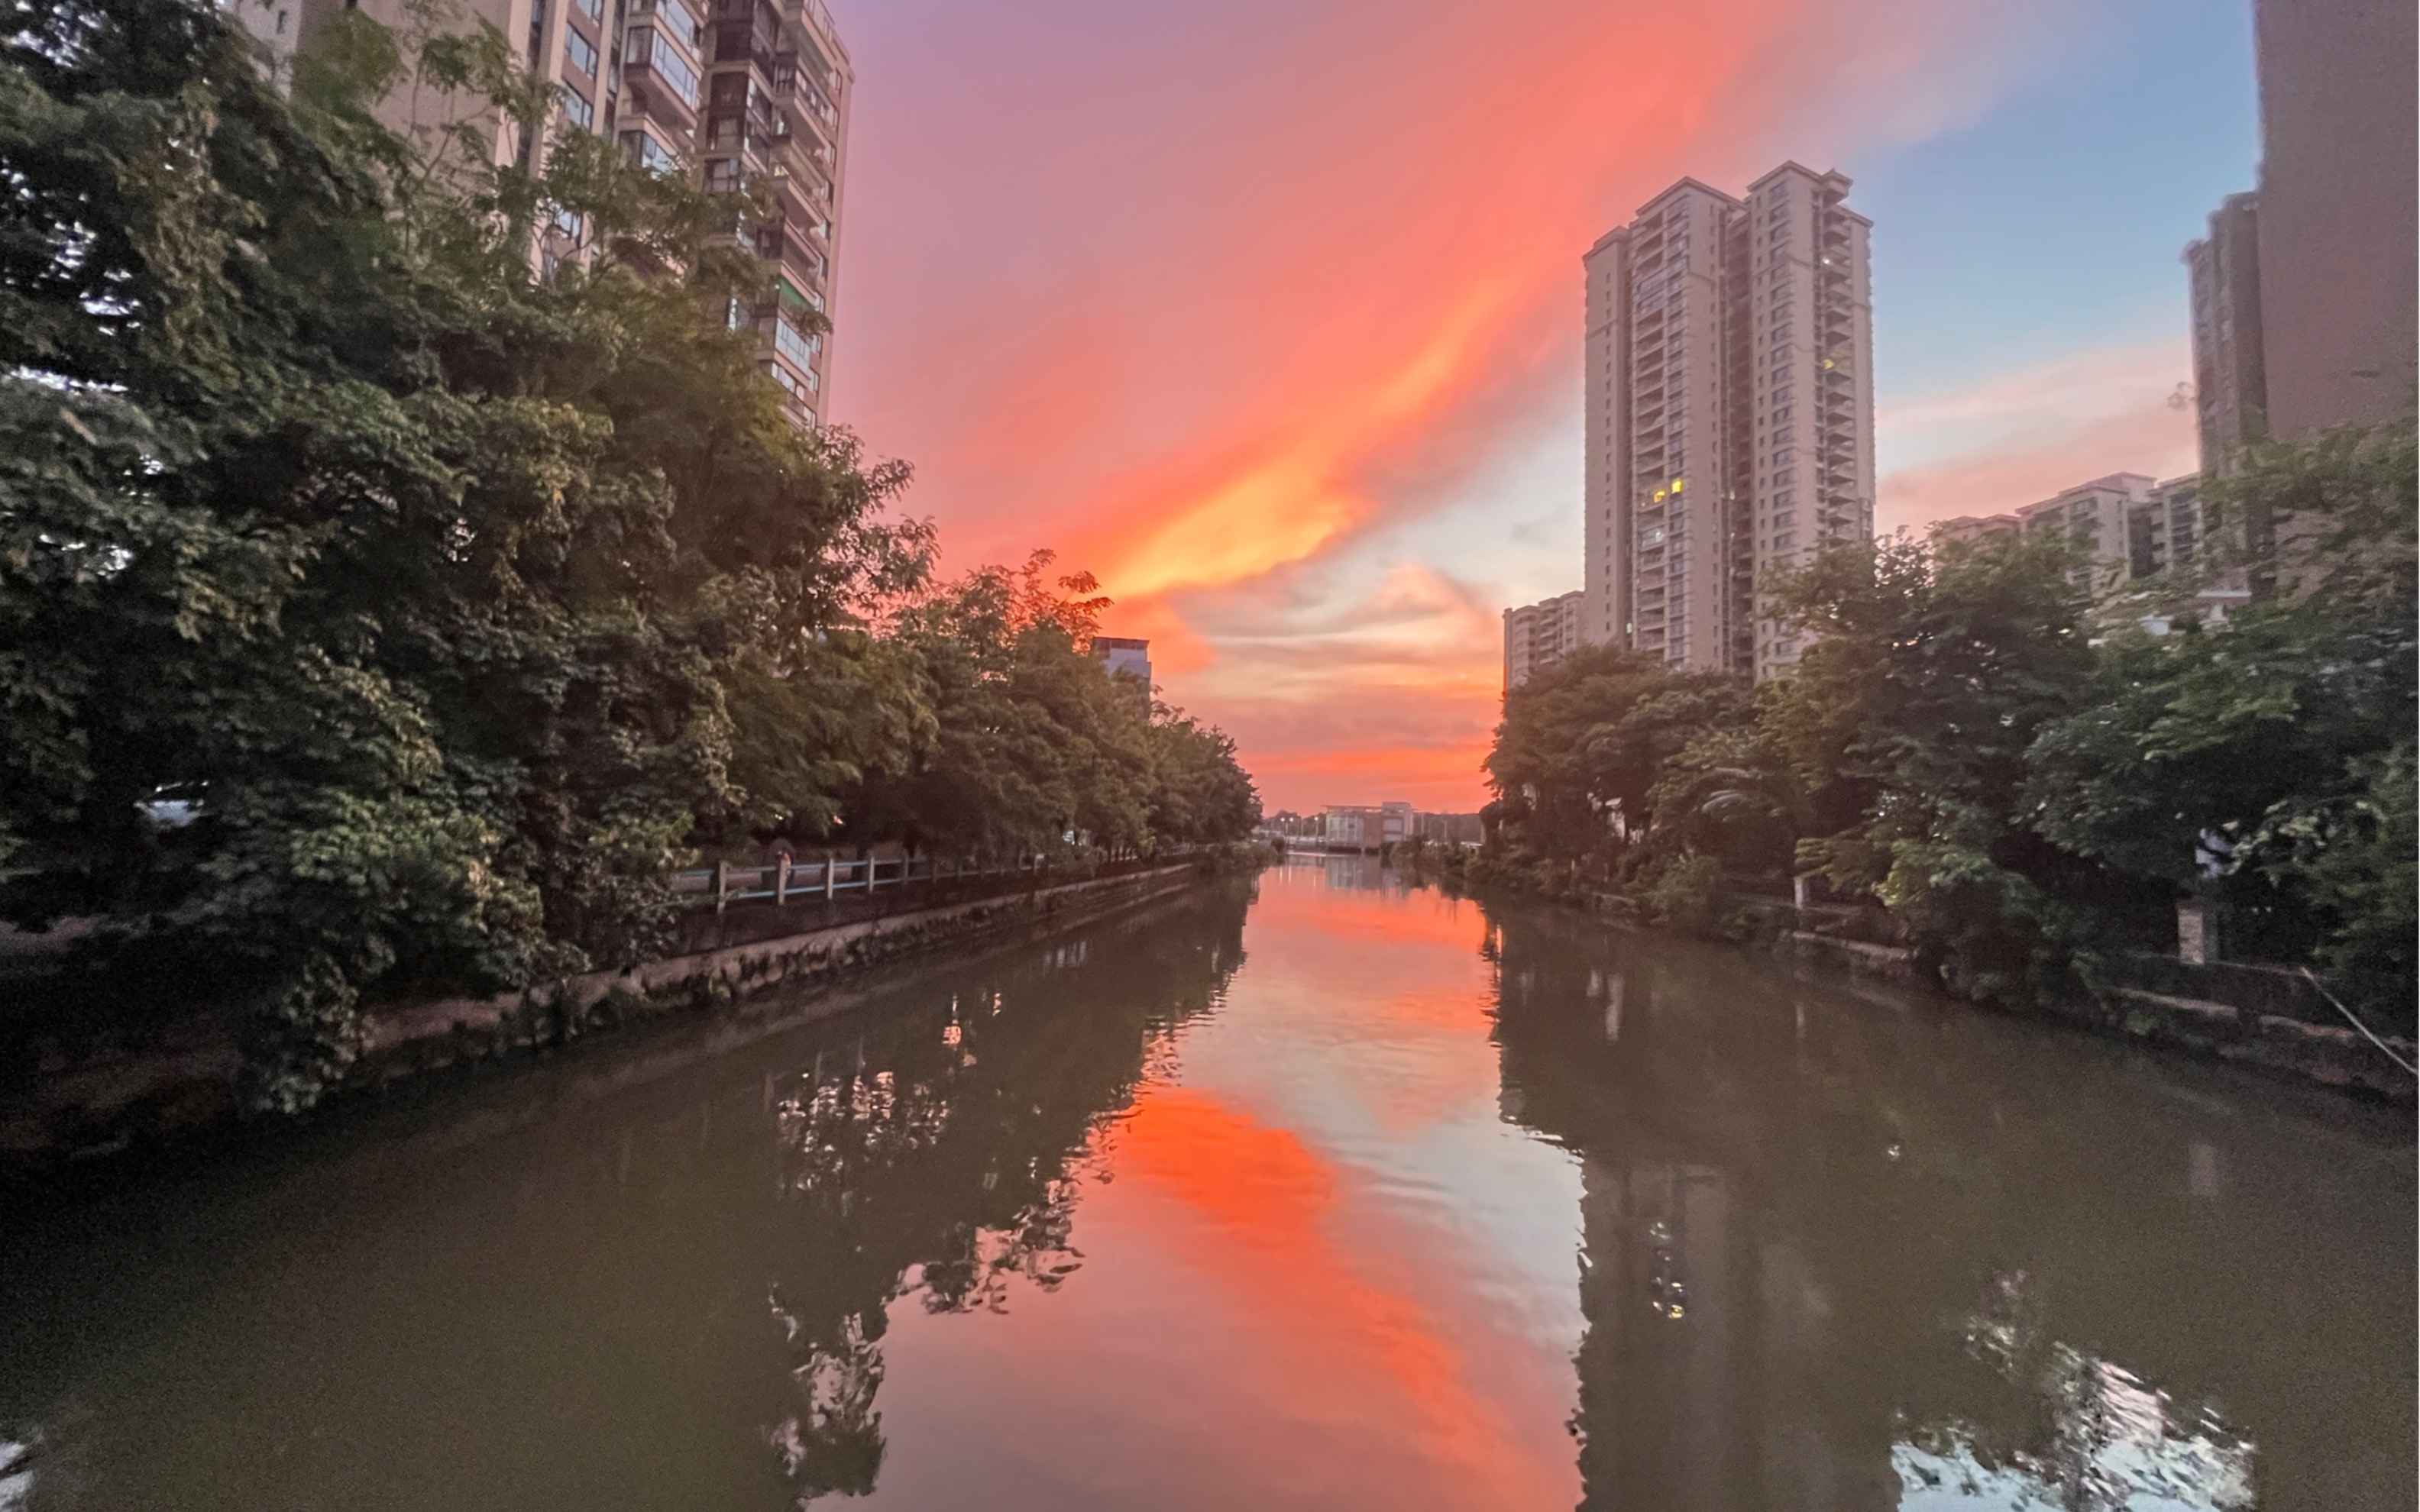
1307,1191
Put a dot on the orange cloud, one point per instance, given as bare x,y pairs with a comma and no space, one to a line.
1203,295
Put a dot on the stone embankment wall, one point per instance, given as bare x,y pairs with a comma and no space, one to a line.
2259,1016
186,1083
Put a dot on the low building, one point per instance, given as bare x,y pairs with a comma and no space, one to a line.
1121,654
1974,528
1538,634
2097,515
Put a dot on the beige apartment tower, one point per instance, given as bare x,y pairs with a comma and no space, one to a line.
732,91
1731,411
1538,634
2304,303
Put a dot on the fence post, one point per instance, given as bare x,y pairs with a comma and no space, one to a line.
829,878
782,879
722,883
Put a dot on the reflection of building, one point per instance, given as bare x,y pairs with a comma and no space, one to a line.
1729,411
1539,635
2302,293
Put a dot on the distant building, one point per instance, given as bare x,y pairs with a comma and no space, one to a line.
1370,827
1975,527
1538,634
2097,513
1355,826
2165,530
1119,655
2231,383
2303,292
1729,411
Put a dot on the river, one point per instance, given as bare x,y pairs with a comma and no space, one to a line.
1304,1192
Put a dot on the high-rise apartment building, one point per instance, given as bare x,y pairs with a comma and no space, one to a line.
2337,208
1730,411
733,90
2098,516
2230,384
1538,634
2303,293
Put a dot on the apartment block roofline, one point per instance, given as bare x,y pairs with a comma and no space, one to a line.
1614,237
1831,177
1680,184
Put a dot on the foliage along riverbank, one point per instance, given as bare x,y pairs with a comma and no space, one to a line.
379,619
2021,777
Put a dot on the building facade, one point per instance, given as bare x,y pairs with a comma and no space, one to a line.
2303,292
2230,380
1729,411
733,90
1119,653
1538,634
2098,516
2338,210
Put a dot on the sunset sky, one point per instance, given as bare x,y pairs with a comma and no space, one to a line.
1269,313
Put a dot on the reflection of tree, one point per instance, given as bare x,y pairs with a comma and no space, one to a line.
2068,1430
941,1157
1788,1197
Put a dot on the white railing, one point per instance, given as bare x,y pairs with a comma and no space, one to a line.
788,881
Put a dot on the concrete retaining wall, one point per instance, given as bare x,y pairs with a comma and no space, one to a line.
187,1082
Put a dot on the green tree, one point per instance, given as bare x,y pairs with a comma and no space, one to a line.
1583,743
375,615
2279,741
1907,724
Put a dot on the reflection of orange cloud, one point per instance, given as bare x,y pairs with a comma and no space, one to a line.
1258,1206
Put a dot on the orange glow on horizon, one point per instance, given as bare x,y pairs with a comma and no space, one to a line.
1276,289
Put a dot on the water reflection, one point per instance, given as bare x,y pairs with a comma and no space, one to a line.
1846,1253
1419,1208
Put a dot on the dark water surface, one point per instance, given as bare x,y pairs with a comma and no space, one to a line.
1313,1193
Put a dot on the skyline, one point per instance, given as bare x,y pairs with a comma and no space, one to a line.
1278,332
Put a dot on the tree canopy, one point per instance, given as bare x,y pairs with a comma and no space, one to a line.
2018,773
380,612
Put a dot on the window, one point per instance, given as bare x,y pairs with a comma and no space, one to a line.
648,153
722,176
797,347
667,63
593,9
576,105
681,20
580,53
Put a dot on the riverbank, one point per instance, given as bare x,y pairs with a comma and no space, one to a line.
2266,1018
183,1085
